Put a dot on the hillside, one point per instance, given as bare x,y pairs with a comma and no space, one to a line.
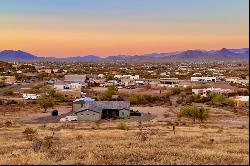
223,54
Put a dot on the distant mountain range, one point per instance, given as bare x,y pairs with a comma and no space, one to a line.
189,55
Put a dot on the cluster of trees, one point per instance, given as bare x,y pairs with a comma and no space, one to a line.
219,99
193,112
40,88
49,98
21,77
107,95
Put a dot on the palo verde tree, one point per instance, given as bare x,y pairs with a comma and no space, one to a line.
45,102
193,112
109,92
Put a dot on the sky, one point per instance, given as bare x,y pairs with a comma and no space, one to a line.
66,28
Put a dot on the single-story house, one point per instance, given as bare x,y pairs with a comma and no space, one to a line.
75,78
169,82
98,110
61,86
203,79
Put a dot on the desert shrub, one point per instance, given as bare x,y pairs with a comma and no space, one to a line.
188,90
30,134
56,95
122,126
107,95
242,92
202,114
41,76
2,84
11,102
148,99
175,91
1,102
166,115
47,143
193,112
40,88
8,92
8,123
218,99
36,144
168,103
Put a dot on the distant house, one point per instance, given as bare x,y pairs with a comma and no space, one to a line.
241,101
237,81
44,70
131,77
204,92
203,79
169,82
61,86
75,78
97,110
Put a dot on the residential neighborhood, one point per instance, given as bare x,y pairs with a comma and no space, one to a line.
124,82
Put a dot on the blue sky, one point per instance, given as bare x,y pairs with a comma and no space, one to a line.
160,24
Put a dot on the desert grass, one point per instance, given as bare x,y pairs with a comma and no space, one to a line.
105,143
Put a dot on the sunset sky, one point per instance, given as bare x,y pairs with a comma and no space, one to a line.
111,27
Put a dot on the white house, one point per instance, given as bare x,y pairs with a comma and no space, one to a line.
203,79
68,86
131,77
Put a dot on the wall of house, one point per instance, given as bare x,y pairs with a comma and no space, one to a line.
124,113
88,115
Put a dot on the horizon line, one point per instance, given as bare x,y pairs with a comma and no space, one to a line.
48,56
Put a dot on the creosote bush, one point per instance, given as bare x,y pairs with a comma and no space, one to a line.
30,134
122,126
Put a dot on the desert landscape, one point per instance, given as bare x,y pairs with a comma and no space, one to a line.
132,82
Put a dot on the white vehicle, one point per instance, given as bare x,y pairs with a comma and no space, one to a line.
69,118
30,96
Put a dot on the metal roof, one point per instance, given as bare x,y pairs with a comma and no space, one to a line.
98,106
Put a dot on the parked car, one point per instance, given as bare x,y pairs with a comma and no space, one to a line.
69,118
30,96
